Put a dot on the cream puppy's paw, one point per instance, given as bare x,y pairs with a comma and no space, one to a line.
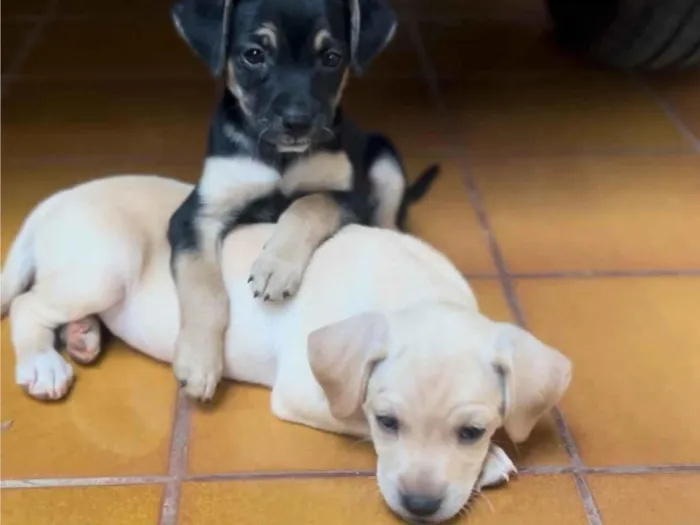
45,375
276,276
198,372
497,470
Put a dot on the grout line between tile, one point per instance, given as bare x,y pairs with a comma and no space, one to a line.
668,110
37,483
299,474
177,460
535,470
644,469
31,39
584,491
585,495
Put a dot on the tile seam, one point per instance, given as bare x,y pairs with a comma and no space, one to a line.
106,481
585,495
533,470
31,39
177,460
281,475
668,110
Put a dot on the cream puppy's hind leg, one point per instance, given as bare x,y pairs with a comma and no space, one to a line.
81,258
82,339
40,370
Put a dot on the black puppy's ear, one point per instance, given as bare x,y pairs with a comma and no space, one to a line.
372,26
204,25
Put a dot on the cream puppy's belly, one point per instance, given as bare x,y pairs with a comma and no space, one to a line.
148,319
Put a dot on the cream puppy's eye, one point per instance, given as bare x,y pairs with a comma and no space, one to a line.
467,434
388,424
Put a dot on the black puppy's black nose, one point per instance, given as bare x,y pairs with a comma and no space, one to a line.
421,506
297,123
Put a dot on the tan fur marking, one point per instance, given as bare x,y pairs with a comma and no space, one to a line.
268,31
320,171
243,98
226,185
204,314
204,302
321,38
306,224
341,89
278,271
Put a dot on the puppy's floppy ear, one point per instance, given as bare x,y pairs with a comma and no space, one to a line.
372,26
535,377
204,25
342,356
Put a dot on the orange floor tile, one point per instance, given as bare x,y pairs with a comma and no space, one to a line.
82,506
569,195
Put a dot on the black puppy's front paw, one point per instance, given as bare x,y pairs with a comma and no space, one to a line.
274,278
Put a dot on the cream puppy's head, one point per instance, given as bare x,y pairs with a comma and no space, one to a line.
434,382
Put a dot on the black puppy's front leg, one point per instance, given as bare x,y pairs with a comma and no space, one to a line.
195,230
312,183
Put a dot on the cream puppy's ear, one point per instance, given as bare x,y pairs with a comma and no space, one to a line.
342,356
535,378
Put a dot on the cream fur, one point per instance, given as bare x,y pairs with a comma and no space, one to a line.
100,248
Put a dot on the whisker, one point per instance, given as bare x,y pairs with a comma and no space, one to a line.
360,441
488,502
518,452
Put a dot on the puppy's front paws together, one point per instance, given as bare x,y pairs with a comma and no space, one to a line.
497,470
274,278
198,372
45,375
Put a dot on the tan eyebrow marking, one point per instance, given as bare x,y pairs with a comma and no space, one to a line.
268,31
320,38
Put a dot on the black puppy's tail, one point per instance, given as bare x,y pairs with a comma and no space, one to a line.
416,191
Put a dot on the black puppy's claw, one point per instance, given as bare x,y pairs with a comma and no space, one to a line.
250,279
256,294
183,383
285,294
267,297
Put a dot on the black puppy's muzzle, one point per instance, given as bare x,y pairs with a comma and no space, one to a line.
297,123
295,129
297,119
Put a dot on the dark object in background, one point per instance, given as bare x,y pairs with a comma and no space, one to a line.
630,34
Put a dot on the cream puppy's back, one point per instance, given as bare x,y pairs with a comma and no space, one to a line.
113,230
360,269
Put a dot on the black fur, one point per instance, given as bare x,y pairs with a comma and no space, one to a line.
292,82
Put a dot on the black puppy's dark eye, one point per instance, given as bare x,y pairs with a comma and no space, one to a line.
254,56
388,423
331,59
470,434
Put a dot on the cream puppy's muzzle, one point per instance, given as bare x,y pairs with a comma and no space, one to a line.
434,383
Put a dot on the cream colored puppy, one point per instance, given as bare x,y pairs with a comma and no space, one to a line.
384,338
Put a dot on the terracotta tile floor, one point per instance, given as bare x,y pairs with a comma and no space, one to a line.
570,196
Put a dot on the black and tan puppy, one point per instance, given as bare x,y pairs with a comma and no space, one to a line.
279,150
